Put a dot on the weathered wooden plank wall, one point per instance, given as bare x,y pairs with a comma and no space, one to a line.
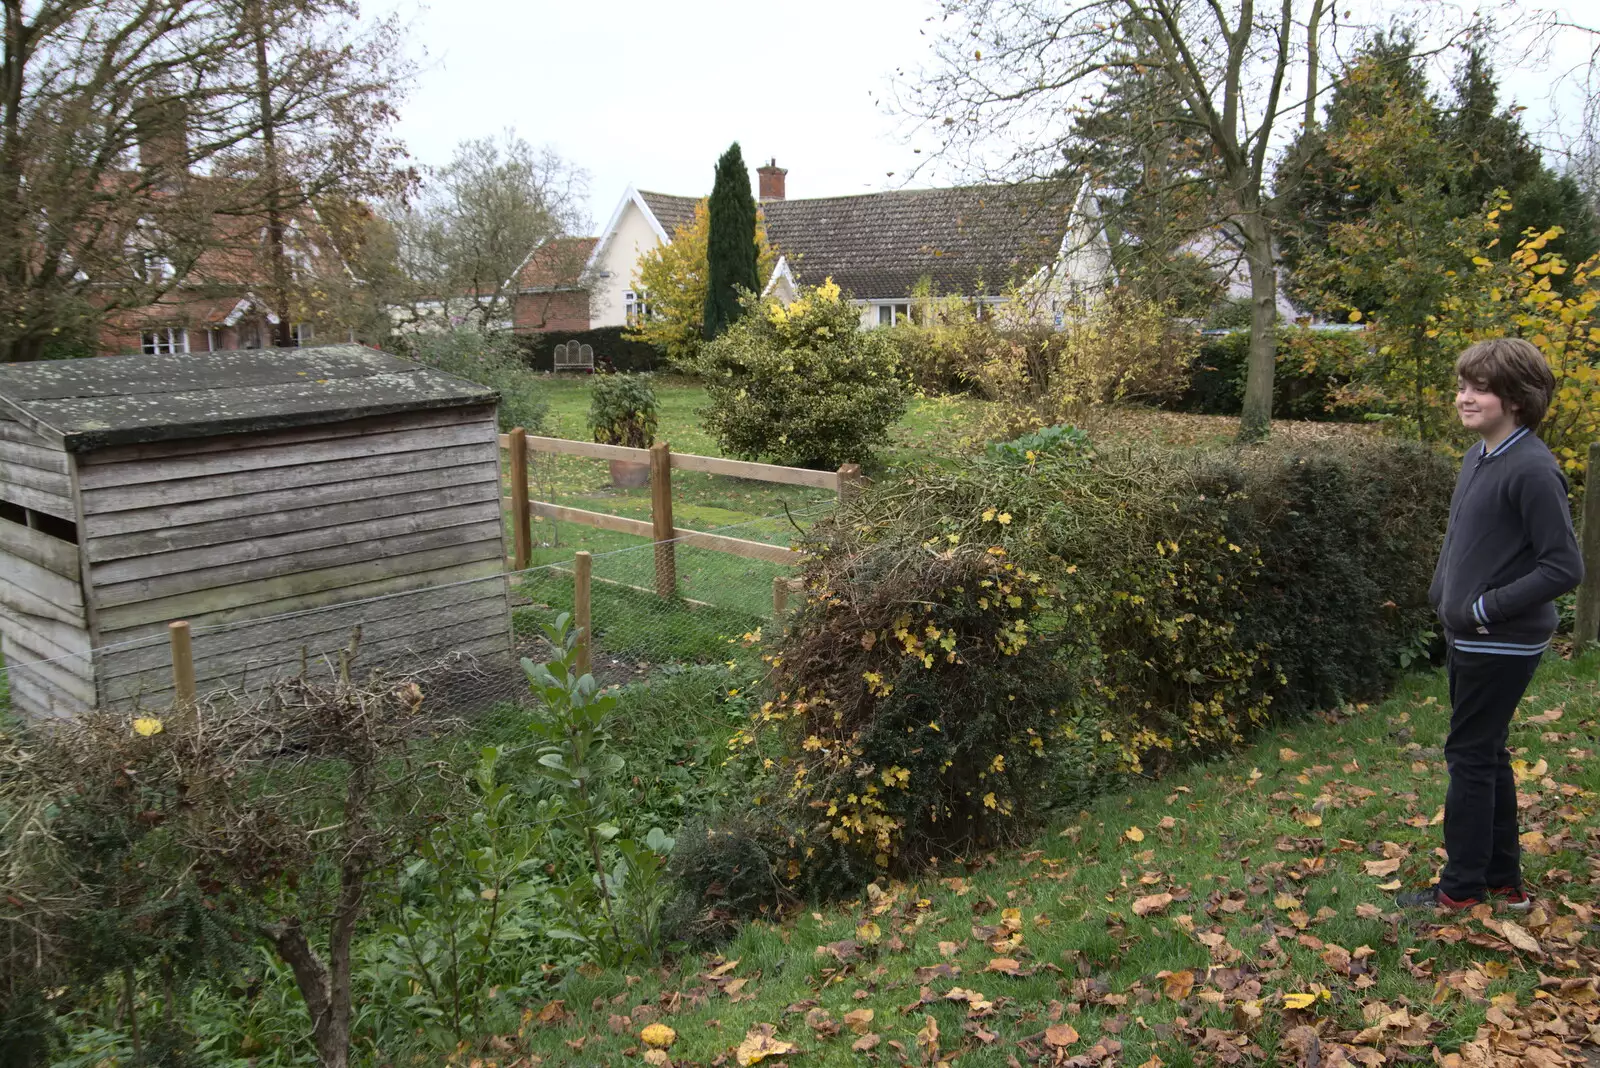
239,531
34,472
44,627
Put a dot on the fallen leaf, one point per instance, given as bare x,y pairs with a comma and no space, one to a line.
1287,755
1286,902
1382,867
859,1020
1299,1001
822,1023
1519,937
1134,834
658,1036
759,1044
1060,1036
949,949
1179,985
1004,965
866,1042
1149,906
928,1036
869,933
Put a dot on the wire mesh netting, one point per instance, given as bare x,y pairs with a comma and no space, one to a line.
461,642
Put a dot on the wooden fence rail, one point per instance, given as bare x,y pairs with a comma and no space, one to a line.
659,528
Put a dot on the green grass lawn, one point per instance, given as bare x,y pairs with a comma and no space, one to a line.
1184,920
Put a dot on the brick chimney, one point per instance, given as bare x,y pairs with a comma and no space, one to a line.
770,181
161,127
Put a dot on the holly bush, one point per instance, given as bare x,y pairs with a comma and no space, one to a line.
802,384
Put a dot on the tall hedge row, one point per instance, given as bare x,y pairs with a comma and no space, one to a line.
974,641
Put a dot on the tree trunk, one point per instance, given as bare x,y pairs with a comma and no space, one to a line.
1256,419
284,336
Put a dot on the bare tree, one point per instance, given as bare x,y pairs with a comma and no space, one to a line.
128,129
477,219
323,93
1015,79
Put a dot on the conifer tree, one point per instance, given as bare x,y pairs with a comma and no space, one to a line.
731,248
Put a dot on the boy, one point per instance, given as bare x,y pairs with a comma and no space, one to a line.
1508,553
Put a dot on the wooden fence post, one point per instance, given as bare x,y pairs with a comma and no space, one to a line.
1588,621
849,481
521,526
780,598
661,519
182,664
582,570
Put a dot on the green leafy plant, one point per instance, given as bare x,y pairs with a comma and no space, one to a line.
622,411
452,909
801,385
616,908
1051,443
493,360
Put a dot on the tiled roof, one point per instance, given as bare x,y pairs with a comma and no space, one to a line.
558,262
966,239
670,211
879,245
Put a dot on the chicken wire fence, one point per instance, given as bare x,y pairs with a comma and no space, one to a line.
461,642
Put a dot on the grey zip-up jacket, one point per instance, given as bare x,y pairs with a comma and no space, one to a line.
1509,550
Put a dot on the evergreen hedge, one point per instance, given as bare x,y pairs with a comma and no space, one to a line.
1309,373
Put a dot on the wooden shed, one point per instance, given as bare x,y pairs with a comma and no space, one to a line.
245,492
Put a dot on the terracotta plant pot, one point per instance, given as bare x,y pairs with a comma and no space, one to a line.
628,475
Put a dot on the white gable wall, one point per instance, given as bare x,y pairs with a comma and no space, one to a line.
614,268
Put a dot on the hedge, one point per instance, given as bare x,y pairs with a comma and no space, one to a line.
608,341
976,642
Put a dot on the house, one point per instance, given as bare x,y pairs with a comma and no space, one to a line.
546,293
983,242
550,293
216,302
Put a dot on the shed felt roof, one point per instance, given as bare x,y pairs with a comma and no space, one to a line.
122,400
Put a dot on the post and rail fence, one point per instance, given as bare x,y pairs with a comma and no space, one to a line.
659,528
843,482
1587,623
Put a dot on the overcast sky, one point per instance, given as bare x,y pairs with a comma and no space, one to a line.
650,93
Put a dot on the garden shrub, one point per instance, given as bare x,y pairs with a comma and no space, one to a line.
1143,606
622,411
915,702
492,360
1313,366
1122,349
801,385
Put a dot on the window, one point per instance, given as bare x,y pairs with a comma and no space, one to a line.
636,307
303,333
164,342
890,314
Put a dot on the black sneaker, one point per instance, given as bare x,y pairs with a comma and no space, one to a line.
1434,898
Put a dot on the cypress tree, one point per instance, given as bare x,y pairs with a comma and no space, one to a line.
731,247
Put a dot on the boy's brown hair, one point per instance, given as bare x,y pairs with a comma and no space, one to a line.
1513,370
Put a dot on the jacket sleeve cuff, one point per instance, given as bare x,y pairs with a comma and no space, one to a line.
1486,608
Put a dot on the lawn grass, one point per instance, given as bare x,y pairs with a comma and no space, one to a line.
1266,858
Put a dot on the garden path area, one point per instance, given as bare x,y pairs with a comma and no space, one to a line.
1238,912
